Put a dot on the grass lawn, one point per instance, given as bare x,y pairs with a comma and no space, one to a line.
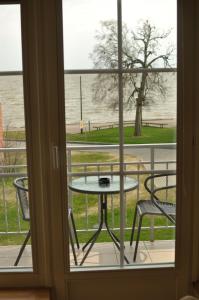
80,204
14,135
150,135
111,135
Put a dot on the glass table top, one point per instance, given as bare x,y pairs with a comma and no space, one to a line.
90,184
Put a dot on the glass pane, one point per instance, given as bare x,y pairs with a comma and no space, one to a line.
83,41
143,159
91,156
10,34
14,205
92,107
149,103
89,101
149,33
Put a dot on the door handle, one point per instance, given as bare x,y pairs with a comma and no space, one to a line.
55,151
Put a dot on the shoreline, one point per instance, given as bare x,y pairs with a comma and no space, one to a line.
90,126
75,127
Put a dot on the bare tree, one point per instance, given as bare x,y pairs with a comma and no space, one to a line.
140,50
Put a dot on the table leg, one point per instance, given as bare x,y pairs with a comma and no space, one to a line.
111,234
90,240
103,220
94,237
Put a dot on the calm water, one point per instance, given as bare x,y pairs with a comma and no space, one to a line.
11,97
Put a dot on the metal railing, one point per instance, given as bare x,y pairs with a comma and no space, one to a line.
140,161
150,160
11,166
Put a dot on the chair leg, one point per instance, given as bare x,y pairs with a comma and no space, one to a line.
22,248
138,237
133,226
74,229
72,246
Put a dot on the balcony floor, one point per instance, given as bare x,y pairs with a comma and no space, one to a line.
102,254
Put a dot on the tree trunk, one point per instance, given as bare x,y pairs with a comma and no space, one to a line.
139,103
138,118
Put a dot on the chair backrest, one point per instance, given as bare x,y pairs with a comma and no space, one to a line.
162,188
22,193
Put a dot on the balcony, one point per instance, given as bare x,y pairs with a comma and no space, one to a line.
157,243
102,254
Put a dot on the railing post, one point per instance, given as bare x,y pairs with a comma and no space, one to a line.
5,205
112,206
99,205
69,163
152,188
167,181
89,126
86,201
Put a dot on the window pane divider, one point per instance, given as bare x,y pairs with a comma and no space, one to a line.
121,132
117,71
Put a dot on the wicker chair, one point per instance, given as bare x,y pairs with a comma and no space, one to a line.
21,185
157,186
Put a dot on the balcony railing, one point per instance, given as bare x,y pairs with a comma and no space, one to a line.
148,159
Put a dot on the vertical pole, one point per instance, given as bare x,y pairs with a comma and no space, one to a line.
121,133
2,144
89,126
69,163
1,127
81,113
152,188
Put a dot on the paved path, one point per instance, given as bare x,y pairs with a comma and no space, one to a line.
144,154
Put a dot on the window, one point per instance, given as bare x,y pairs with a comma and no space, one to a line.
14,208
43,91
120,102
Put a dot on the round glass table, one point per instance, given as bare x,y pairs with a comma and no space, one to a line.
91,185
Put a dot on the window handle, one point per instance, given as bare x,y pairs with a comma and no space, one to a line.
55,151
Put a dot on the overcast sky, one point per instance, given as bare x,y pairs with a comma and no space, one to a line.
10,38
81,19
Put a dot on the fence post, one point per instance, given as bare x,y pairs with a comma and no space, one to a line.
89,126
152,188
1,127
69,177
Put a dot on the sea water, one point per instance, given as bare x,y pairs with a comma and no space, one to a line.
93,110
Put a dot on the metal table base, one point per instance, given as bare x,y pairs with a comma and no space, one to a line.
103,221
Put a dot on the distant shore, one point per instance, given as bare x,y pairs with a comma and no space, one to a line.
89,126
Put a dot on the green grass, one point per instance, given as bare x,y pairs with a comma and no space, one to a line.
150,135
12,239
80,204
90,157
14,135
160,234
